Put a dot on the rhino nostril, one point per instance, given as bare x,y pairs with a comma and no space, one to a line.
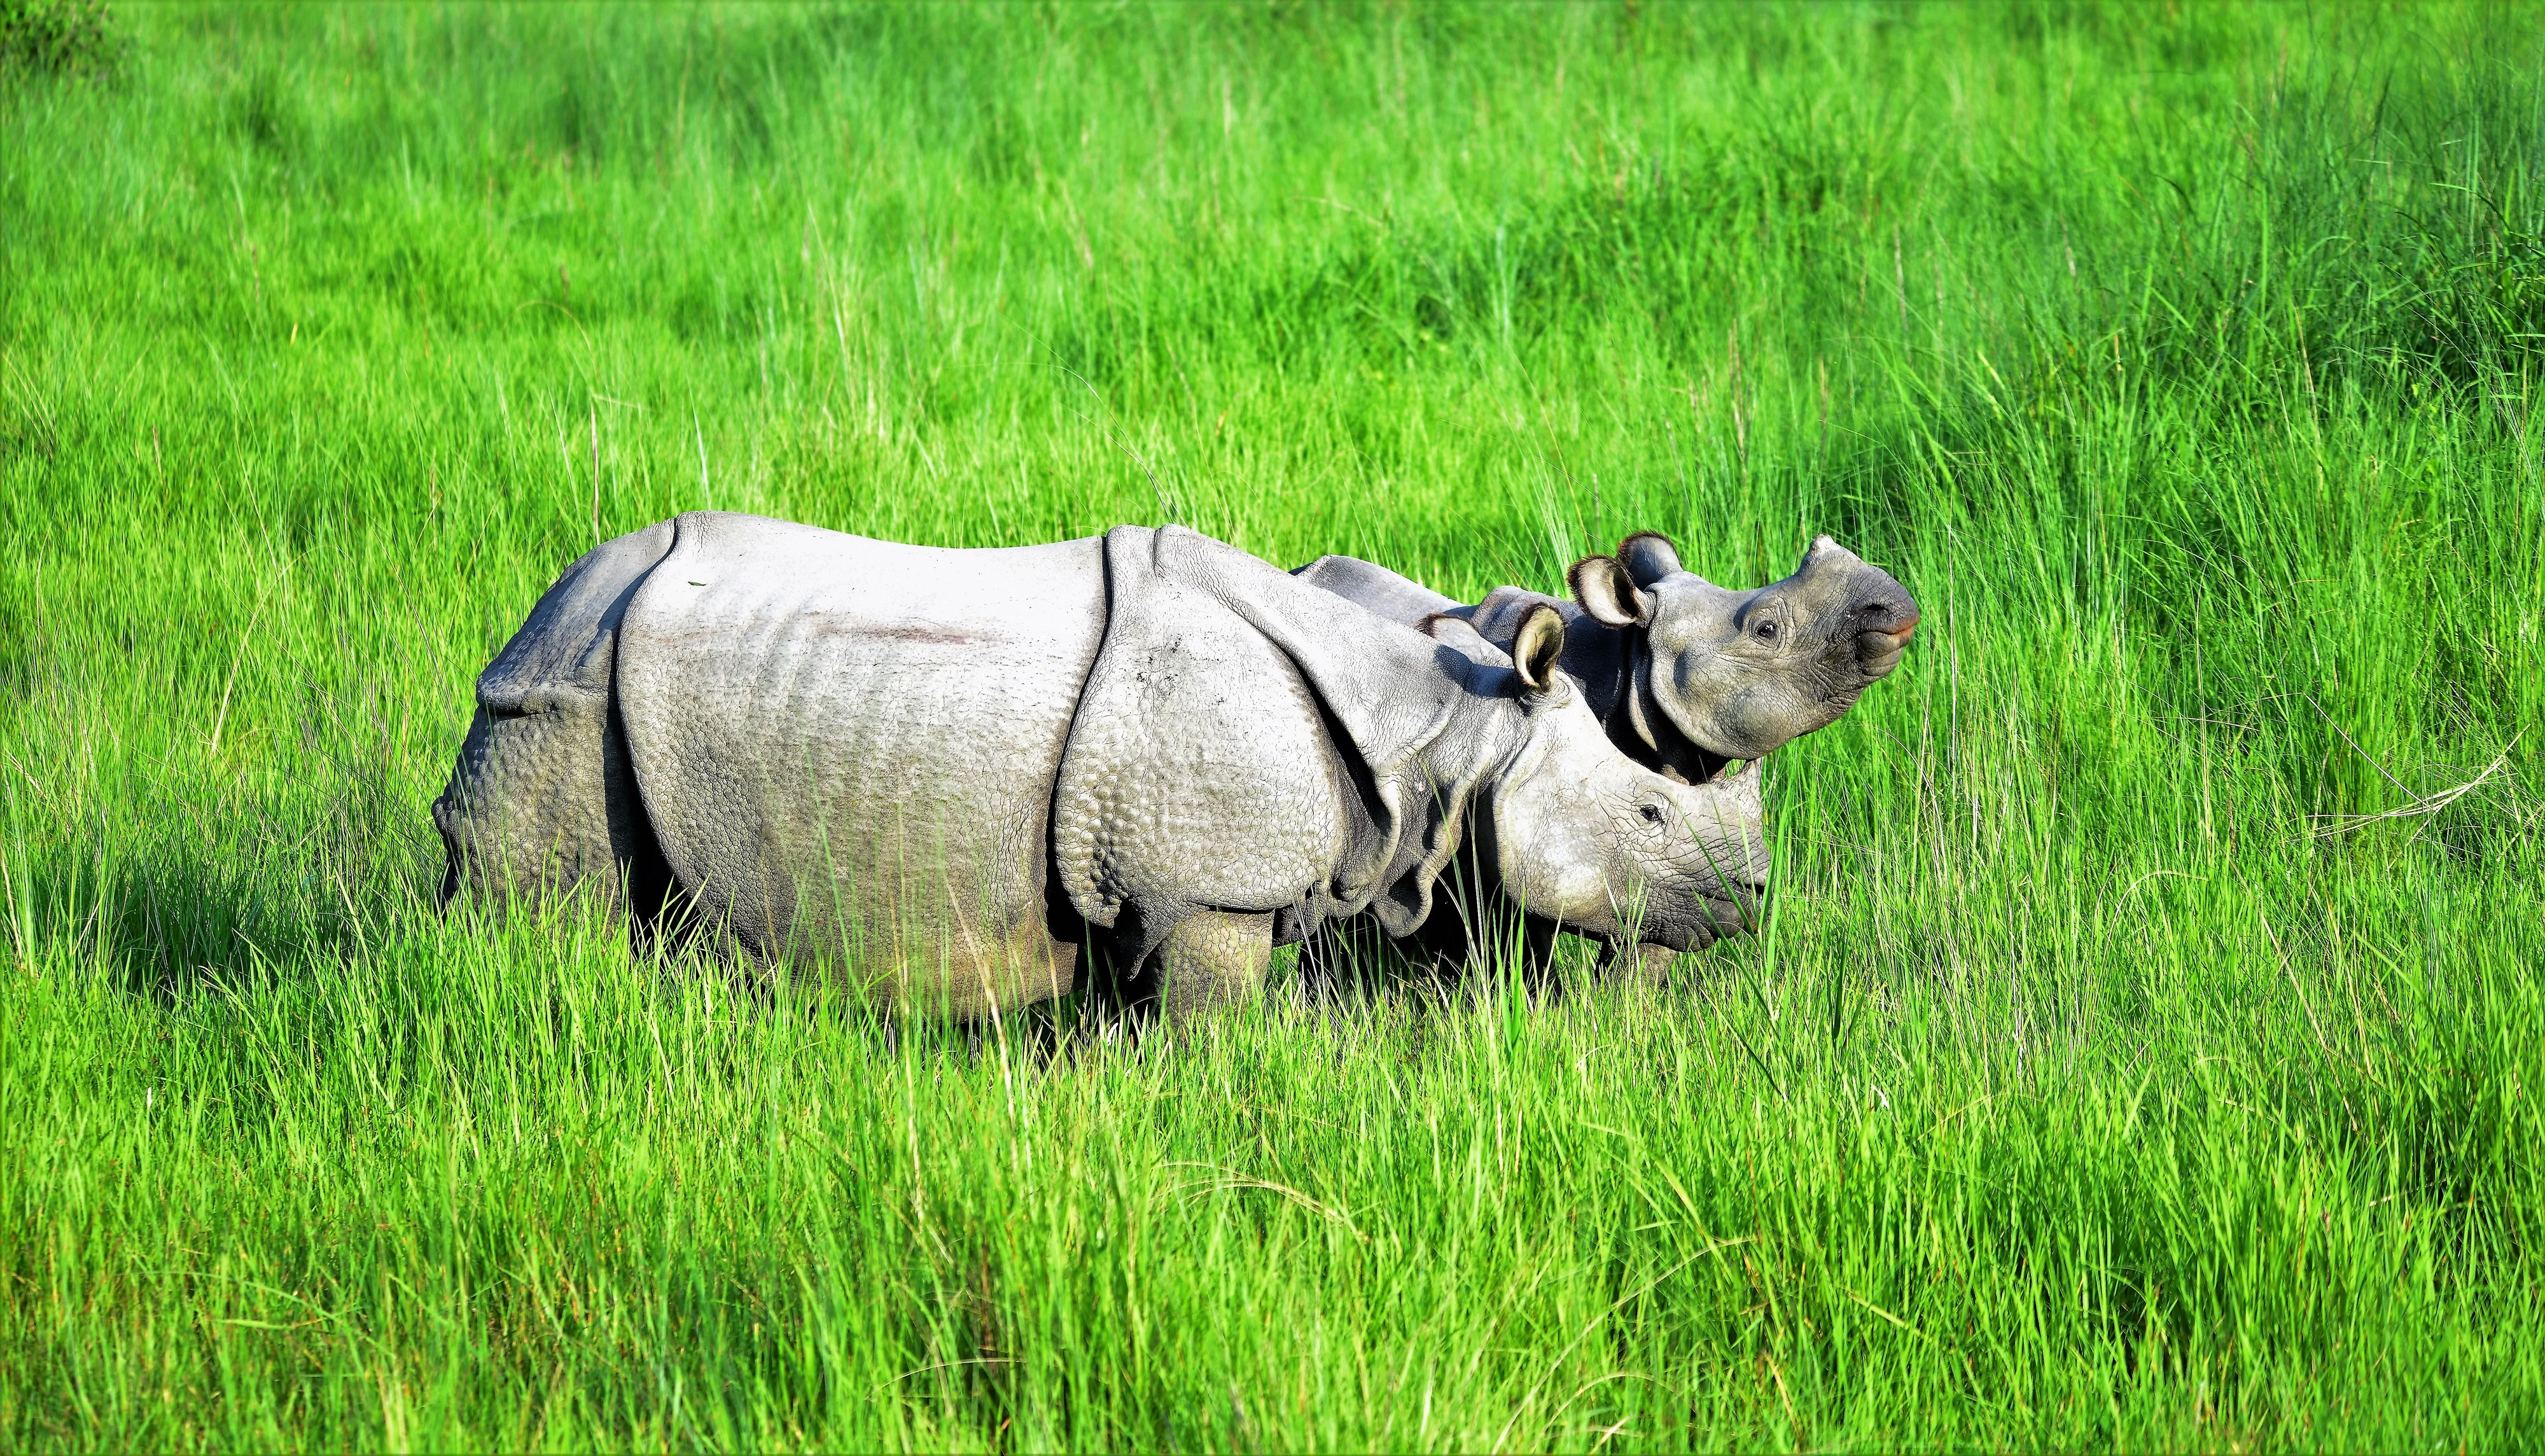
1884,627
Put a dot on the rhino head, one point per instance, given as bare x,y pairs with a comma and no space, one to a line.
1579,833
1739,674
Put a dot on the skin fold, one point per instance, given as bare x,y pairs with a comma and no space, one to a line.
974,780
1686,676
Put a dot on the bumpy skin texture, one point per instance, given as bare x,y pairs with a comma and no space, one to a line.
1243,747
1686,676
945,767
541,797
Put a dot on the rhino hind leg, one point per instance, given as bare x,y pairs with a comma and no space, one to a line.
543,805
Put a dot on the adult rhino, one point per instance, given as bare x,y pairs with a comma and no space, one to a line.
1687,676
953,769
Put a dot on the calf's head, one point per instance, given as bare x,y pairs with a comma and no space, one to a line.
1743,673
1582,834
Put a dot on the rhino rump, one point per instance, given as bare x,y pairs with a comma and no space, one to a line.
543,800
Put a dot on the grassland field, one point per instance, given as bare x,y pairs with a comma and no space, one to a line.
2144,1046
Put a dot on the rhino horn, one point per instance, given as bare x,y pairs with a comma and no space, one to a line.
1880,613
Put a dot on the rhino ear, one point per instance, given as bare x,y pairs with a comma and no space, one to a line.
1605,591
1538,647
1648,556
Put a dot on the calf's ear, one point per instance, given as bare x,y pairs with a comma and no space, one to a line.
1605,592
1538,647
1648,556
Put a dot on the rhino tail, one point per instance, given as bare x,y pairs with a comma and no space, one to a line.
542,801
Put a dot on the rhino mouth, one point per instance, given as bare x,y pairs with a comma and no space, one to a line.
1877,653
1714,918
1883,630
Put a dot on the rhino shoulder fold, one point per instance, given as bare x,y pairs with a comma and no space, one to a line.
1243,744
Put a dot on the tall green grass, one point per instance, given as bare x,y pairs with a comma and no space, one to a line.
2143,1047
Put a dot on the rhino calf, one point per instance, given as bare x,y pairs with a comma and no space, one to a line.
1687,676
1477,912
964,774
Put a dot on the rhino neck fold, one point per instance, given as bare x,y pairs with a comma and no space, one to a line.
1643,731
1634,709
1450,780
1483,738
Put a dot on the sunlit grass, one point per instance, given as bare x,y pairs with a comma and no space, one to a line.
2141,1049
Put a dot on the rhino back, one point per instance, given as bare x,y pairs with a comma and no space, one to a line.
848,746
1396,598
540,798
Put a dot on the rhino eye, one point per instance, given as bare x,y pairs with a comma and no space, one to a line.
1652,813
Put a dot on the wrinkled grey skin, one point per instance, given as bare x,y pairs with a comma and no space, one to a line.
953,769
1686,676
1478,913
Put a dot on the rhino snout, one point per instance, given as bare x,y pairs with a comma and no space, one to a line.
1882,628
1722,891
1711,917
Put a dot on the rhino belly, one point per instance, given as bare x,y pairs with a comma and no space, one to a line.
847,747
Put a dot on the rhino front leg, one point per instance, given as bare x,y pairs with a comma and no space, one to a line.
1495,939
1647,965
1211,960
